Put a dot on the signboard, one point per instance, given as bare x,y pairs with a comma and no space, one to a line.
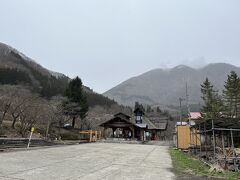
32,129
29,141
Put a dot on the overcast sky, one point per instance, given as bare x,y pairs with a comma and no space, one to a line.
108,41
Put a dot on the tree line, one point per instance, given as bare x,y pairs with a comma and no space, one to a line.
47,86
224,104
148,109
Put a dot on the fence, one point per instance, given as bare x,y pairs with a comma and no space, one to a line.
90,136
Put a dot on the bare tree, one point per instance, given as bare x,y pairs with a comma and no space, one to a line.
4,107
56,116
21,105
20,102
5,102
31,115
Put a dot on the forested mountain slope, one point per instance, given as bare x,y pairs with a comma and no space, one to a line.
166,86
18,69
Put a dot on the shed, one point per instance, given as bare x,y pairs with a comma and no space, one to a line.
185,137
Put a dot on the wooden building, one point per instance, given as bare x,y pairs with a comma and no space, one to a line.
122,127
138,127
186,137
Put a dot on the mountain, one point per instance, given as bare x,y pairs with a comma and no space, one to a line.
166,86
12,58
18,69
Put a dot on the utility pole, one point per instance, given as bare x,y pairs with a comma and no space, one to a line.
187,101
187,104
180,101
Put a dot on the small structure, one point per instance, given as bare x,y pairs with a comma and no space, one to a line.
90,136
186,137
122,127
194,116
158,126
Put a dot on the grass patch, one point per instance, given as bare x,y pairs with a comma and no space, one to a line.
187,164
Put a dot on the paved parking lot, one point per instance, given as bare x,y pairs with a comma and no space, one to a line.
89,161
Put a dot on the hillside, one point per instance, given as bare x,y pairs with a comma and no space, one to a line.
165,86
18,69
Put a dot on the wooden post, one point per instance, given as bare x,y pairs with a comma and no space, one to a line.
144,133
223,144
205,138
190,139
141,135
228,141
214,142
224,152
90,136
200,135
104,133
196,136
100,135
133,133
177,134
234,153
96,134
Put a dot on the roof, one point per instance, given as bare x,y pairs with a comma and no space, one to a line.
120,120
142,125
117,122
122,115
195,115
157,123
228,123
149,123
161,125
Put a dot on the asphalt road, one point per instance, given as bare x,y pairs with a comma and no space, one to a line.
88,162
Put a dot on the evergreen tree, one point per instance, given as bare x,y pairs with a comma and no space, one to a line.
140,106
149,109
76,106
137,105
231,95
212,101
158,110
